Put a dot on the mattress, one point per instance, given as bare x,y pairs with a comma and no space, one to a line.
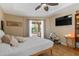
29,47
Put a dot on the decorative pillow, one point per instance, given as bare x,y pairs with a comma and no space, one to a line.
20,39
14,42
6,39
1,33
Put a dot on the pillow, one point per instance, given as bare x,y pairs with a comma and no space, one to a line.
1,33
20,39
14,42
6,39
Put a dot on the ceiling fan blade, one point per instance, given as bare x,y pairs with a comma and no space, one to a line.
37,7
46,8
52,4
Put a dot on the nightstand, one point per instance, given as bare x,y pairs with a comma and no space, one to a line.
70,41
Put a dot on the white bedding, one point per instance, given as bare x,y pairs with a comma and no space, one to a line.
29,47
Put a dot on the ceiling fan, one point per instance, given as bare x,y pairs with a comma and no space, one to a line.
46,8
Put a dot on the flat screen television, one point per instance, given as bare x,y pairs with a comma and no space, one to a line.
64,20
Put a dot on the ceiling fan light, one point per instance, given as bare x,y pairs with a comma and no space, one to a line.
44,5
46,8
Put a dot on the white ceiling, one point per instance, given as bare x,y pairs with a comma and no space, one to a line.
28,9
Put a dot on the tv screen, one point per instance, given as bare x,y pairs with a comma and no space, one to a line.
65,20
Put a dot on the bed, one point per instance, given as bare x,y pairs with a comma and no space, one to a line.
32,46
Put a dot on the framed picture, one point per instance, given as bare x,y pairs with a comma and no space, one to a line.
13,23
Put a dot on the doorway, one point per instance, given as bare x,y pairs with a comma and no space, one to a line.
36,28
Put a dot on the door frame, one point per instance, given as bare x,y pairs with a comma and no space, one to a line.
42,28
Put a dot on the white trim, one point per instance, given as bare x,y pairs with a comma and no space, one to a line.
30,26
42,28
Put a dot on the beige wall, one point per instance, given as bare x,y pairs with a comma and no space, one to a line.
63,30
47,27
19,31
14,30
